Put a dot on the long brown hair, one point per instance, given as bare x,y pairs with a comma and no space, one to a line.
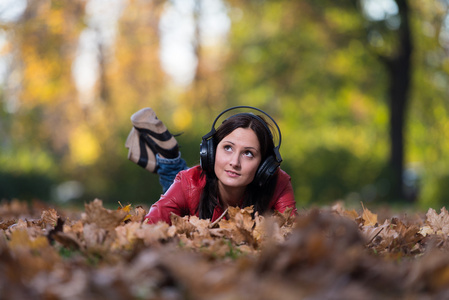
256,195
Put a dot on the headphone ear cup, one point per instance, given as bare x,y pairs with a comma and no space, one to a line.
266,170
210,155
207,155
203,154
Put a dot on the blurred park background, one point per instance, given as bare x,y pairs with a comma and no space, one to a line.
359,89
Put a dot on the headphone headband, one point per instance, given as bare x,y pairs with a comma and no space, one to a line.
212,131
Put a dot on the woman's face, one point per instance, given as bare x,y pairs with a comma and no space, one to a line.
237,158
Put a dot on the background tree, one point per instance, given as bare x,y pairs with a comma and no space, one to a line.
314,65
39,97
396,56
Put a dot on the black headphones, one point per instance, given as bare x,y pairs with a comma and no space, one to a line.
267,168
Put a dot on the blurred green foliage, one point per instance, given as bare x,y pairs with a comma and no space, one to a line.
312,65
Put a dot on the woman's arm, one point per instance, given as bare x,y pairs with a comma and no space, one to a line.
173,201
181,198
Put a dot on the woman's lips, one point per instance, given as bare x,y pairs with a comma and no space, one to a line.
232,174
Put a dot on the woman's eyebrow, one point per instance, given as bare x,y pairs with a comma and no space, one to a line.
254,148
246,147
251,147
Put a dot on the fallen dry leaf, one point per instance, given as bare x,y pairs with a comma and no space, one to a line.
319,254
182,225
102,217
50,217
339,208
369,217
438,222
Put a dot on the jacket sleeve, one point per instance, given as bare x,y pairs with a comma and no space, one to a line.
173,201
283,196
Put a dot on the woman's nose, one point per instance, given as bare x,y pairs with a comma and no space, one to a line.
235,160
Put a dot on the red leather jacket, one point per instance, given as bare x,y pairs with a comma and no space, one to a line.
183,197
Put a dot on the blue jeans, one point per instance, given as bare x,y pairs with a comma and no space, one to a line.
167,168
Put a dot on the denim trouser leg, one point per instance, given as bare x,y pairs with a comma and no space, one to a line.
168,168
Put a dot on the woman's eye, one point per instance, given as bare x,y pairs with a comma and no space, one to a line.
227,148
249,154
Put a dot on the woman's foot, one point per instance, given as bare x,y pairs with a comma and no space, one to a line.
153,138
139,152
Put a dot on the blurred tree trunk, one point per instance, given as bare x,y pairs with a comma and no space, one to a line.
399,69
135,70
207,86
104,93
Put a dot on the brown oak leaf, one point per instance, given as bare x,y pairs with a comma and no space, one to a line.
240,224
153,233
94,236
202,226
182,225
125,235
68,240
438,222
285,220
104,218
49,217
138,215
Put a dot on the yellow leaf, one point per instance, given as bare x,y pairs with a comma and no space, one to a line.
21,239
426,230
369,217
126,209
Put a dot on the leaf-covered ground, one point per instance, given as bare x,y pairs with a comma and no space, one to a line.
328,253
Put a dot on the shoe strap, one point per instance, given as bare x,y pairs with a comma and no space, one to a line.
167,153
163,137
143,159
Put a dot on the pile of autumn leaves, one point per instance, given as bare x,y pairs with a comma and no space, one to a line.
327,253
